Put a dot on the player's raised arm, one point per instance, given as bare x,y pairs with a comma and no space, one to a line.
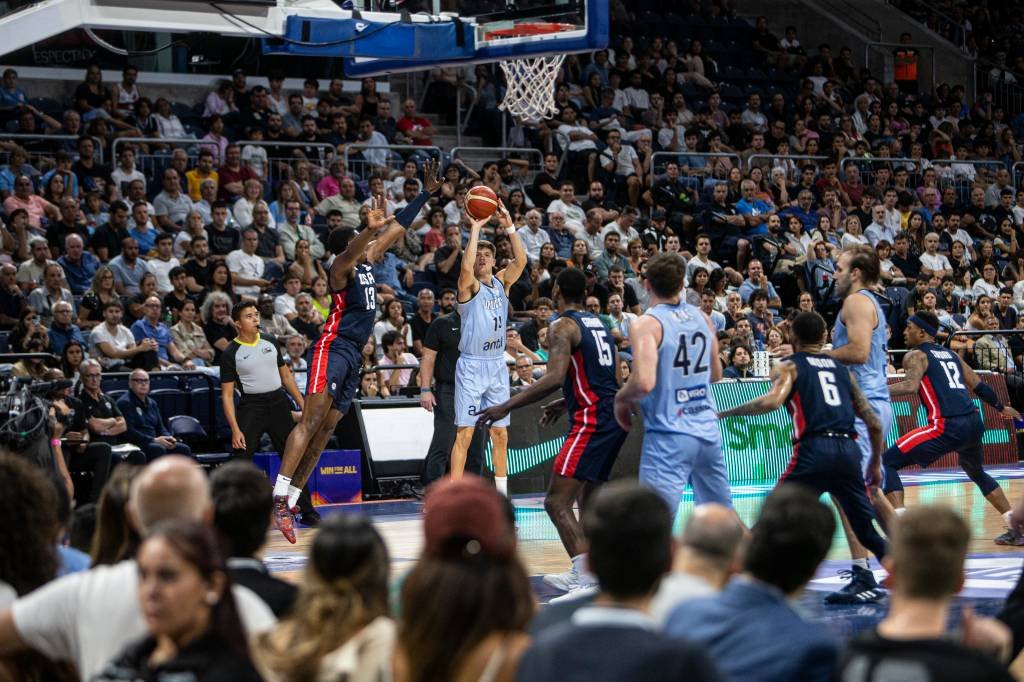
357,246
859,317
511,273
782,379
985,392
915,364
563,334
468,283
404,219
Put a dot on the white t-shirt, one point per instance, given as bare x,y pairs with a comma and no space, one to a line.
162,270
121,340
935,262
284,305
580,144
981,287
89,617
574,213
250,267
694,263
623,161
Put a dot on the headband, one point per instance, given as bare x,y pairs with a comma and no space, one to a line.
923,325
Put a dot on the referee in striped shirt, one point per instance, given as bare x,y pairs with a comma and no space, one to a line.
253,364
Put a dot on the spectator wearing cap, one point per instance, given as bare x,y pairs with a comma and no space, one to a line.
629,530
468,591
79,265
791,537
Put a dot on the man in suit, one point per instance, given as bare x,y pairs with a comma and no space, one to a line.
789,540
242,502
630,532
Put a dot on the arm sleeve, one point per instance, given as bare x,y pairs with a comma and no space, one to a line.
408,214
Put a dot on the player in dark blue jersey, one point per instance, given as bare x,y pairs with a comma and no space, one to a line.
941,380
582,361
824,400
334,362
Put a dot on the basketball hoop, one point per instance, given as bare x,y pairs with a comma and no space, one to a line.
530,95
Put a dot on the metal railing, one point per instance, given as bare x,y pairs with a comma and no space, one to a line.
461,119
660,159
948,172
481,155
49,140
1005,83
779,157
925,11
996,357
152,163
395,157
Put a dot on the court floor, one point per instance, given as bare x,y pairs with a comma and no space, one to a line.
992,571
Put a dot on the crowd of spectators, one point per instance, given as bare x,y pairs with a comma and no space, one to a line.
163,579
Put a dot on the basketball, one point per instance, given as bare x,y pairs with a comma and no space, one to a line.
481,202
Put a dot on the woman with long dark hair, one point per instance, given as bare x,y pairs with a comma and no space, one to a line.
466,603
579,257
339,628
190,613
115,539
220,280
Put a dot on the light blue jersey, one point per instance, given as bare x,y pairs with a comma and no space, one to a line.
483,322
871,376
681,401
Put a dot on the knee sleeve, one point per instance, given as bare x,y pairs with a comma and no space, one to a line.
976,472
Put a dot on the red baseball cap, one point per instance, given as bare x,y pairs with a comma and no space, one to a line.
468,508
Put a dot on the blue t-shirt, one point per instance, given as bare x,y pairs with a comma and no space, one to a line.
146,240
755,208
142,329
748,287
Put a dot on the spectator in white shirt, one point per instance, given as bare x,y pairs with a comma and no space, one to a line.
623,226
566,205
637,98
126,171
934,263
879,229
246,267
533,237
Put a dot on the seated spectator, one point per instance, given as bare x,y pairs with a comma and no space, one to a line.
740,362
62,330
469,550
145,425
393,320
791,537
78,264
42,299
128,268
194,629
137,303
232,175
30,273
244,207
83,454
629,529
246,267
163,262
393,345
272,324
142,230
290,231
522,375
306,267
178,295
224,238
34,368
172,205
27,325
295,355
189,336
284,304
307,320
151,327
114,346
926,570
36,206
216,315
12,300
358,643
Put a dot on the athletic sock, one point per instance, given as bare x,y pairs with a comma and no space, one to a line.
1006,518
501,483
281,486
900,511
863,563
293,495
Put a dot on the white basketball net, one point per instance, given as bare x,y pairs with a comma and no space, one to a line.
530,95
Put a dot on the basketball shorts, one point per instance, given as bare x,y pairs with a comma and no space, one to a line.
593,443
334,369
924,445
671,461
479,384
883,408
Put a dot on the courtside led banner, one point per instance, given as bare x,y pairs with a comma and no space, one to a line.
756,449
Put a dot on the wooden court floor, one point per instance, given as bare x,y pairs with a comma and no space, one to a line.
541,552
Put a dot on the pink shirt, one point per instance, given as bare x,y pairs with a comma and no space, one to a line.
36,207
328,187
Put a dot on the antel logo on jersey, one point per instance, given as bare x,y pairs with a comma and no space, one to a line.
685,395
497,344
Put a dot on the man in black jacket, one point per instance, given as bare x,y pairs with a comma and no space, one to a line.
242,503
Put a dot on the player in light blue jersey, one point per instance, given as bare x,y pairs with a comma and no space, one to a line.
860,343
481,376
675,359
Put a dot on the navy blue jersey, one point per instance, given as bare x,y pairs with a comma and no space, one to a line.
591,375
821,398
942,390
353,310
